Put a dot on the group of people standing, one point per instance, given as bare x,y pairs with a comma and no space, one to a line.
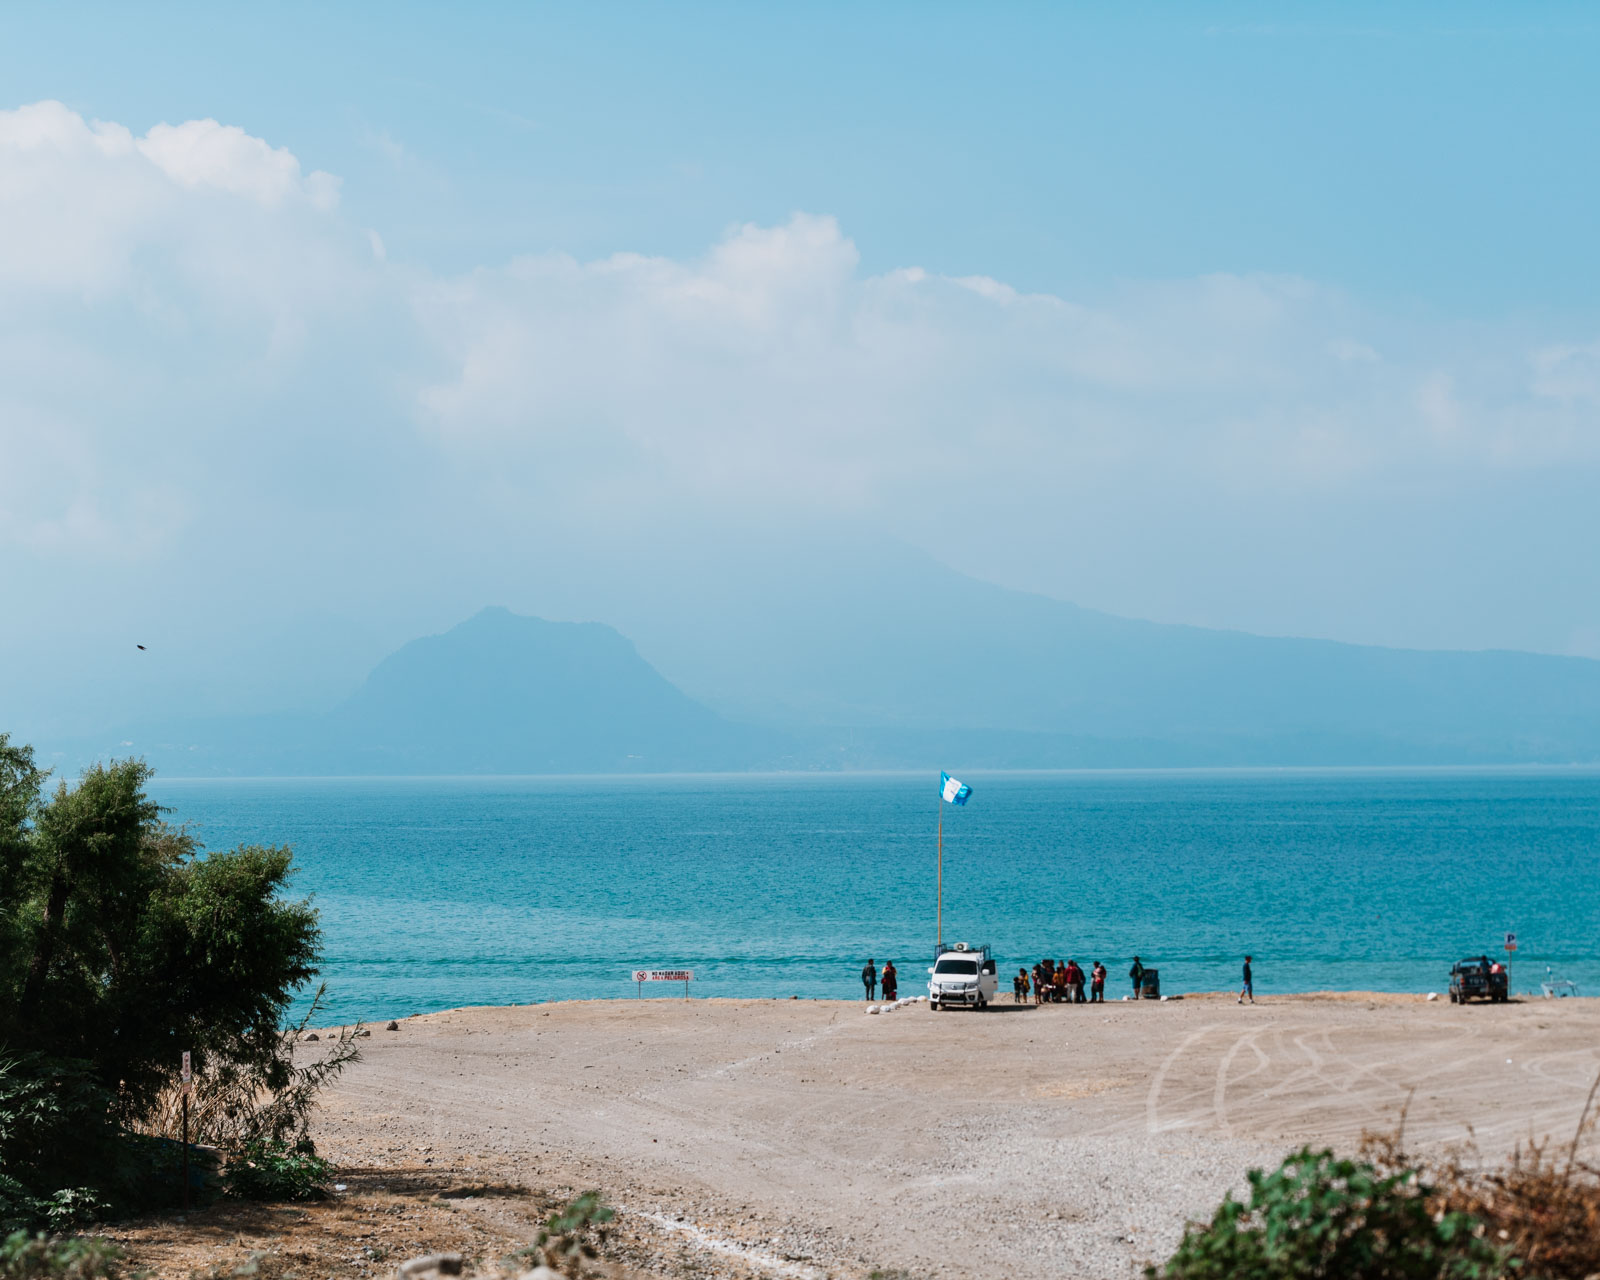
889,980
1054,982
1050,982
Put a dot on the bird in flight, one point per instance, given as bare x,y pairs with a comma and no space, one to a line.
138,646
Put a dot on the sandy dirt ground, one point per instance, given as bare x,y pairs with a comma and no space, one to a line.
807,1138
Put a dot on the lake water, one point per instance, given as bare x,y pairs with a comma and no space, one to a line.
436,893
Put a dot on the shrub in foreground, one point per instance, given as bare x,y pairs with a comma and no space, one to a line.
1318,1217
572,1236
25,1257
265,1169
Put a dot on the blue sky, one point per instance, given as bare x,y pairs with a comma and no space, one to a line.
1439,153
344,321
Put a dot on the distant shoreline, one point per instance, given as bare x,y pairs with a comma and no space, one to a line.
1242,770
1287,998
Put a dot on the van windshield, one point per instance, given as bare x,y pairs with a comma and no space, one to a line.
967,968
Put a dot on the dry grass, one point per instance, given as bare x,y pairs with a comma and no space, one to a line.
233,1102
384,1217
1543,1204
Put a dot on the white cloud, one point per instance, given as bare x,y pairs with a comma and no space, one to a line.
1568,372
1352,352
198,351
54,127
157,295
203,153
770,371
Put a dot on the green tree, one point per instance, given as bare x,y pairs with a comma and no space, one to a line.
122,944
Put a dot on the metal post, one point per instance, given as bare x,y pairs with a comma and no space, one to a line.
186,1146
940,940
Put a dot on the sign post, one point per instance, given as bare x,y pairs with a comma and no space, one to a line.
1511,945
685,976
183,1089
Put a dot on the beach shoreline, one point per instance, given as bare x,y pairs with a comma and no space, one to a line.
915,996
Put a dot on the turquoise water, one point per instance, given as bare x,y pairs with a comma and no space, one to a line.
436,893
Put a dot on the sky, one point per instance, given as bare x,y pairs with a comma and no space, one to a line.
324,326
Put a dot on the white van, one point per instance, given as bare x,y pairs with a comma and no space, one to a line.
962,976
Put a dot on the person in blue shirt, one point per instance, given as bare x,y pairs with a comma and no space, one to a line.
1249,988
869,979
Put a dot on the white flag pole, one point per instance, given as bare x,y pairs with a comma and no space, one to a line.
940,940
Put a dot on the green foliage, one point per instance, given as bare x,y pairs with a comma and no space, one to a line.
268,1170
147,1173
39,1257
1321,1218
122,944
42,1099
571,1236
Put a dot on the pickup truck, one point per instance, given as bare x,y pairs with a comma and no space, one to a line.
1477,979
963,977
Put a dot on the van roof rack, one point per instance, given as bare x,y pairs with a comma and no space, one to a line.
965,948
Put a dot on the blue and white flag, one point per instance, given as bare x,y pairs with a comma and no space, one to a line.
953,792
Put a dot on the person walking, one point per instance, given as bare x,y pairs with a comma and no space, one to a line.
869,979
1074,982
1137,974
1097,984
1249,987
891,980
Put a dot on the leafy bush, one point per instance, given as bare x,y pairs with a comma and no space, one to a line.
123,943
571,1237
42,1099
1321,1218
62,1211
267,1170
25,1257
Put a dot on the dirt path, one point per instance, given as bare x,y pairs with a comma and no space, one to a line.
1019,1142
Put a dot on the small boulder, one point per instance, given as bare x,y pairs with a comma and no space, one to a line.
1433,995
393,1026
439,1264
312,1036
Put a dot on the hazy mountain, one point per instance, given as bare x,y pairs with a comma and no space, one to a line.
499,693
507,694
920,662
886,663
